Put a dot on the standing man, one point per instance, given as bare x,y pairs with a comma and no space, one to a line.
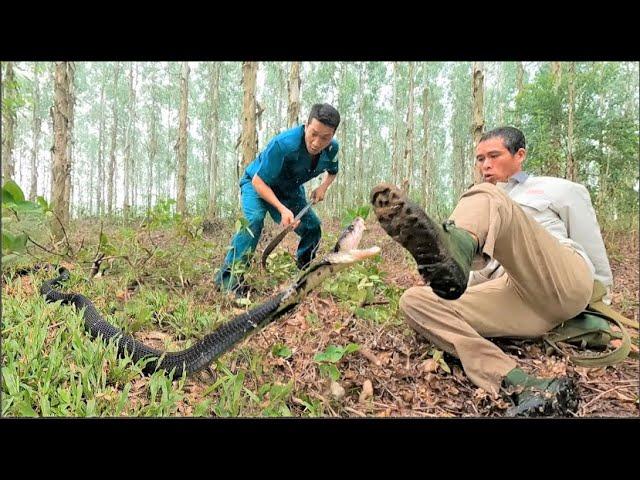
274,183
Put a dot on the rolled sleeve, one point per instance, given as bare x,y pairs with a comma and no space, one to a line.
333,167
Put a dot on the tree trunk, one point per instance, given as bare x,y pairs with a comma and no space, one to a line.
408,150
153,148
114,130
342,139
395,157
60,170
281,99
181,144
553,167
71,70
572,170
556,71
127,146
358,180
212,141
9,119
249,135
36,127
426,160
153,139
293,111
99,193
519,78
133,169
478,114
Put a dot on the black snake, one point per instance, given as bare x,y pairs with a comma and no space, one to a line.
202,353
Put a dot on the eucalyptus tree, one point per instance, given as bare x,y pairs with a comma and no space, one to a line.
408,149
461,130
36,128
478,114
10,101
293,85
60,169
181,142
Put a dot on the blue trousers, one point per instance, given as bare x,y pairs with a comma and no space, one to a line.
255,209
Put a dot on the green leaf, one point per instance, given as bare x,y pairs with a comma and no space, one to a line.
332,354
26,410
352,347
43,203
10,378
328,370
13,243
437,355
444,365
27,207
280,350
7,198
13,190
202,408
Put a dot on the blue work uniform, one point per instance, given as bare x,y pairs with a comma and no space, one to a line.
284,165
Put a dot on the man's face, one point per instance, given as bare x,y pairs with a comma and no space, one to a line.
497,163
317,136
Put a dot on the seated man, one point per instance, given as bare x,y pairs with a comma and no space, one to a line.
274,183
541,232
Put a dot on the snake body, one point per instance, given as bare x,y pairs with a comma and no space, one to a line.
201,354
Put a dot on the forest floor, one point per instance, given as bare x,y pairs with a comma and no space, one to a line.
400,367
389,371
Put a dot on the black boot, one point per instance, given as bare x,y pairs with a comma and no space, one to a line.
443,252
540,397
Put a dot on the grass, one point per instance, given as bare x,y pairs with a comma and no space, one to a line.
51,366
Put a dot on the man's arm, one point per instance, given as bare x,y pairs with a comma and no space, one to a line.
267,195
319,193
582,227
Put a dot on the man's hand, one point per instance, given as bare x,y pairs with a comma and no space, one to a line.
318,194
287,218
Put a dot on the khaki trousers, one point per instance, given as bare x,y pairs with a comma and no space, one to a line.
546,283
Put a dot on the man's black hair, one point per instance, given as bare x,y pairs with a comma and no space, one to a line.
325,113
512,137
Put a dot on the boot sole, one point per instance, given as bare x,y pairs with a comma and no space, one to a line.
408,224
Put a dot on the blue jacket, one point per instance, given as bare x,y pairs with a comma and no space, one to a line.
285,163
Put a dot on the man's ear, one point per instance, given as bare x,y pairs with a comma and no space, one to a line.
521,155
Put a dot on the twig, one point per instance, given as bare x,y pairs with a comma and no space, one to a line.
66,238
99,237
384,385
113,257
584,407
45,249
379,302
357,412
